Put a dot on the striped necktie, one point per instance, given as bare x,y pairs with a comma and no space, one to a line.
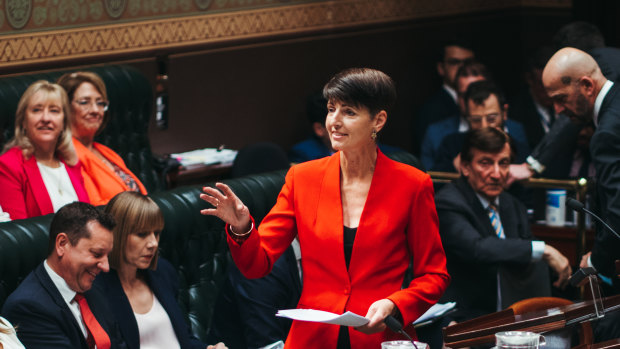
497,225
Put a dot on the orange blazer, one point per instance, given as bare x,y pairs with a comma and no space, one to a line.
22,191
101,183
398,222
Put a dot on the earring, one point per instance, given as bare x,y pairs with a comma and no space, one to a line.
373,135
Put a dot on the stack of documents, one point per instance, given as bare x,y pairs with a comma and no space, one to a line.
207,156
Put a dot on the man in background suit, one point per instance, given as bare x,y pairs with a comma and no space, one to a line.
532,107
491,256
443,104
47,307
485,106
470,71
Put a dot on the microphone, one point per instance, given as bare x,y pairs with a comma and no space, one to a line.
397,327
578,206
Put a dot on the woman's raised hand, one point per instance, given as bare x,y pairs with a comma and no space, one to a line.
227,207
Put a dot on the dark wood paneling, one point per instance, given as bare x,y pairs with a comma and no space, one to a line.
242,95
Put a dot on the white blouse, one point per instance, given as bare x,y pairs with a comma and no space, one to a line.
9,340
58,185
156,329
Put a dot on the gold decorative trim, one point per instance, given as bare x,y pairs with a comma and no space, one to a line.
141,38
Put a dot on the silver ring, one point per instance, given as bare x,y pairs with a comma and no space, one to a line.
217,203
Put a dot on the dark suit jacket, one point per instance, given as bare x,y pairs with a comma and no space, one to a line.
523,109
244,315
605,151
475,254
164,284
438,107
44,320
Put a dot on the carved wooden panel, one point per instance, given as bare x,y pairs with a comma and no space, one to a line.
36,31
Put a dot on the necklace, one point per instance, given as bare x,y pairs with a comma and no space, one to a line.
59,178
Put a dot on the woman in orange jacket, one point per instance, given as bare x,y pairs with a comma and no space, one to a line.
104,171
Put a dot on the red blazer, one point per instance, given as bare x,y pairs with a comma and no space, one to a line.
22,191
399,222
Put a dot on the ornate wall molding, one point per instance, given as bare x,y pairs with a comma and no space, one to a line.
142,38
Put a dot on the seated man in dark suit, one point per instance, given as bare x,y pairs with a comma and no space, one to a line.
485,106
490,253
54,307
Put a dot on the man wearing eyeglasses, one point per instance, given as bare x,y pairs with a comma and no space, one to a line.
443,104
485,106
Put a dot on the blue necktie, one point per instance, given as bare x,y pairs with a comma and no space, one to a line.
497,225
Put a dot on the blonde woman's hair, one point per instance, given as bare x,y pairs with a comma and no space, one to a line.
64,145
5,328
72,81
133,213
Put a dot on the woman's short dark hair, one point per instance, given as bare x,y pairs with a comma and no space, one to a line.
362,87
488,140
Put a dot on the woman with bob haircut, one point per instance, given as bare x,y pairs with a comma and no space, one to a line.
142,288
39,170
360,218
104,171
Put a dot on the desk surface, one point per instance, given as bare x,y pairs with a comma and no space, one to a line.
199,174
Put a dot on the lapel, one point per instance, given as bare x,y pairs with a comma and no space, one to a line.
158,284
508,219
372,226
37,186
480,214
48,285
119,303
607,101
329,222
94,163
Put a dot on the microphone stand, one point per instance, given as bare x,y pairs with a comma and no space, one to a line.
397,327
588,275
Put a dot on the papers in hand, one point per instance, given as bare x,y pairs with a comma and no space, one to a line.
346,319
435,311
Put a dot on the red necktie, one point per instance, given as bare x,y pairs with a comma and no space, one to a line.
96,334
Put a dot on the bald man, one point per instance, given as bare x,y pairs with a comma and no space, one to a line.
578,88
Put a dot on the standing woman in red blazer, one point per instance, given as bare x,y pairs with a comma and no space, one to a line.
39,170
360,218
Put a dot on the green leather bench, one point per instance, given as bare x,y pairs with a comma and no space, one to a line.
194,244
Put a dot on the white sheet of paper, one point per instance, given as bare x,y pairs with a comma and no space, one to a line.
346,319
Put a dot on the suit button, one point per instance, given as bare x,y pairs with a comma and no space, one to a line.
347,291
